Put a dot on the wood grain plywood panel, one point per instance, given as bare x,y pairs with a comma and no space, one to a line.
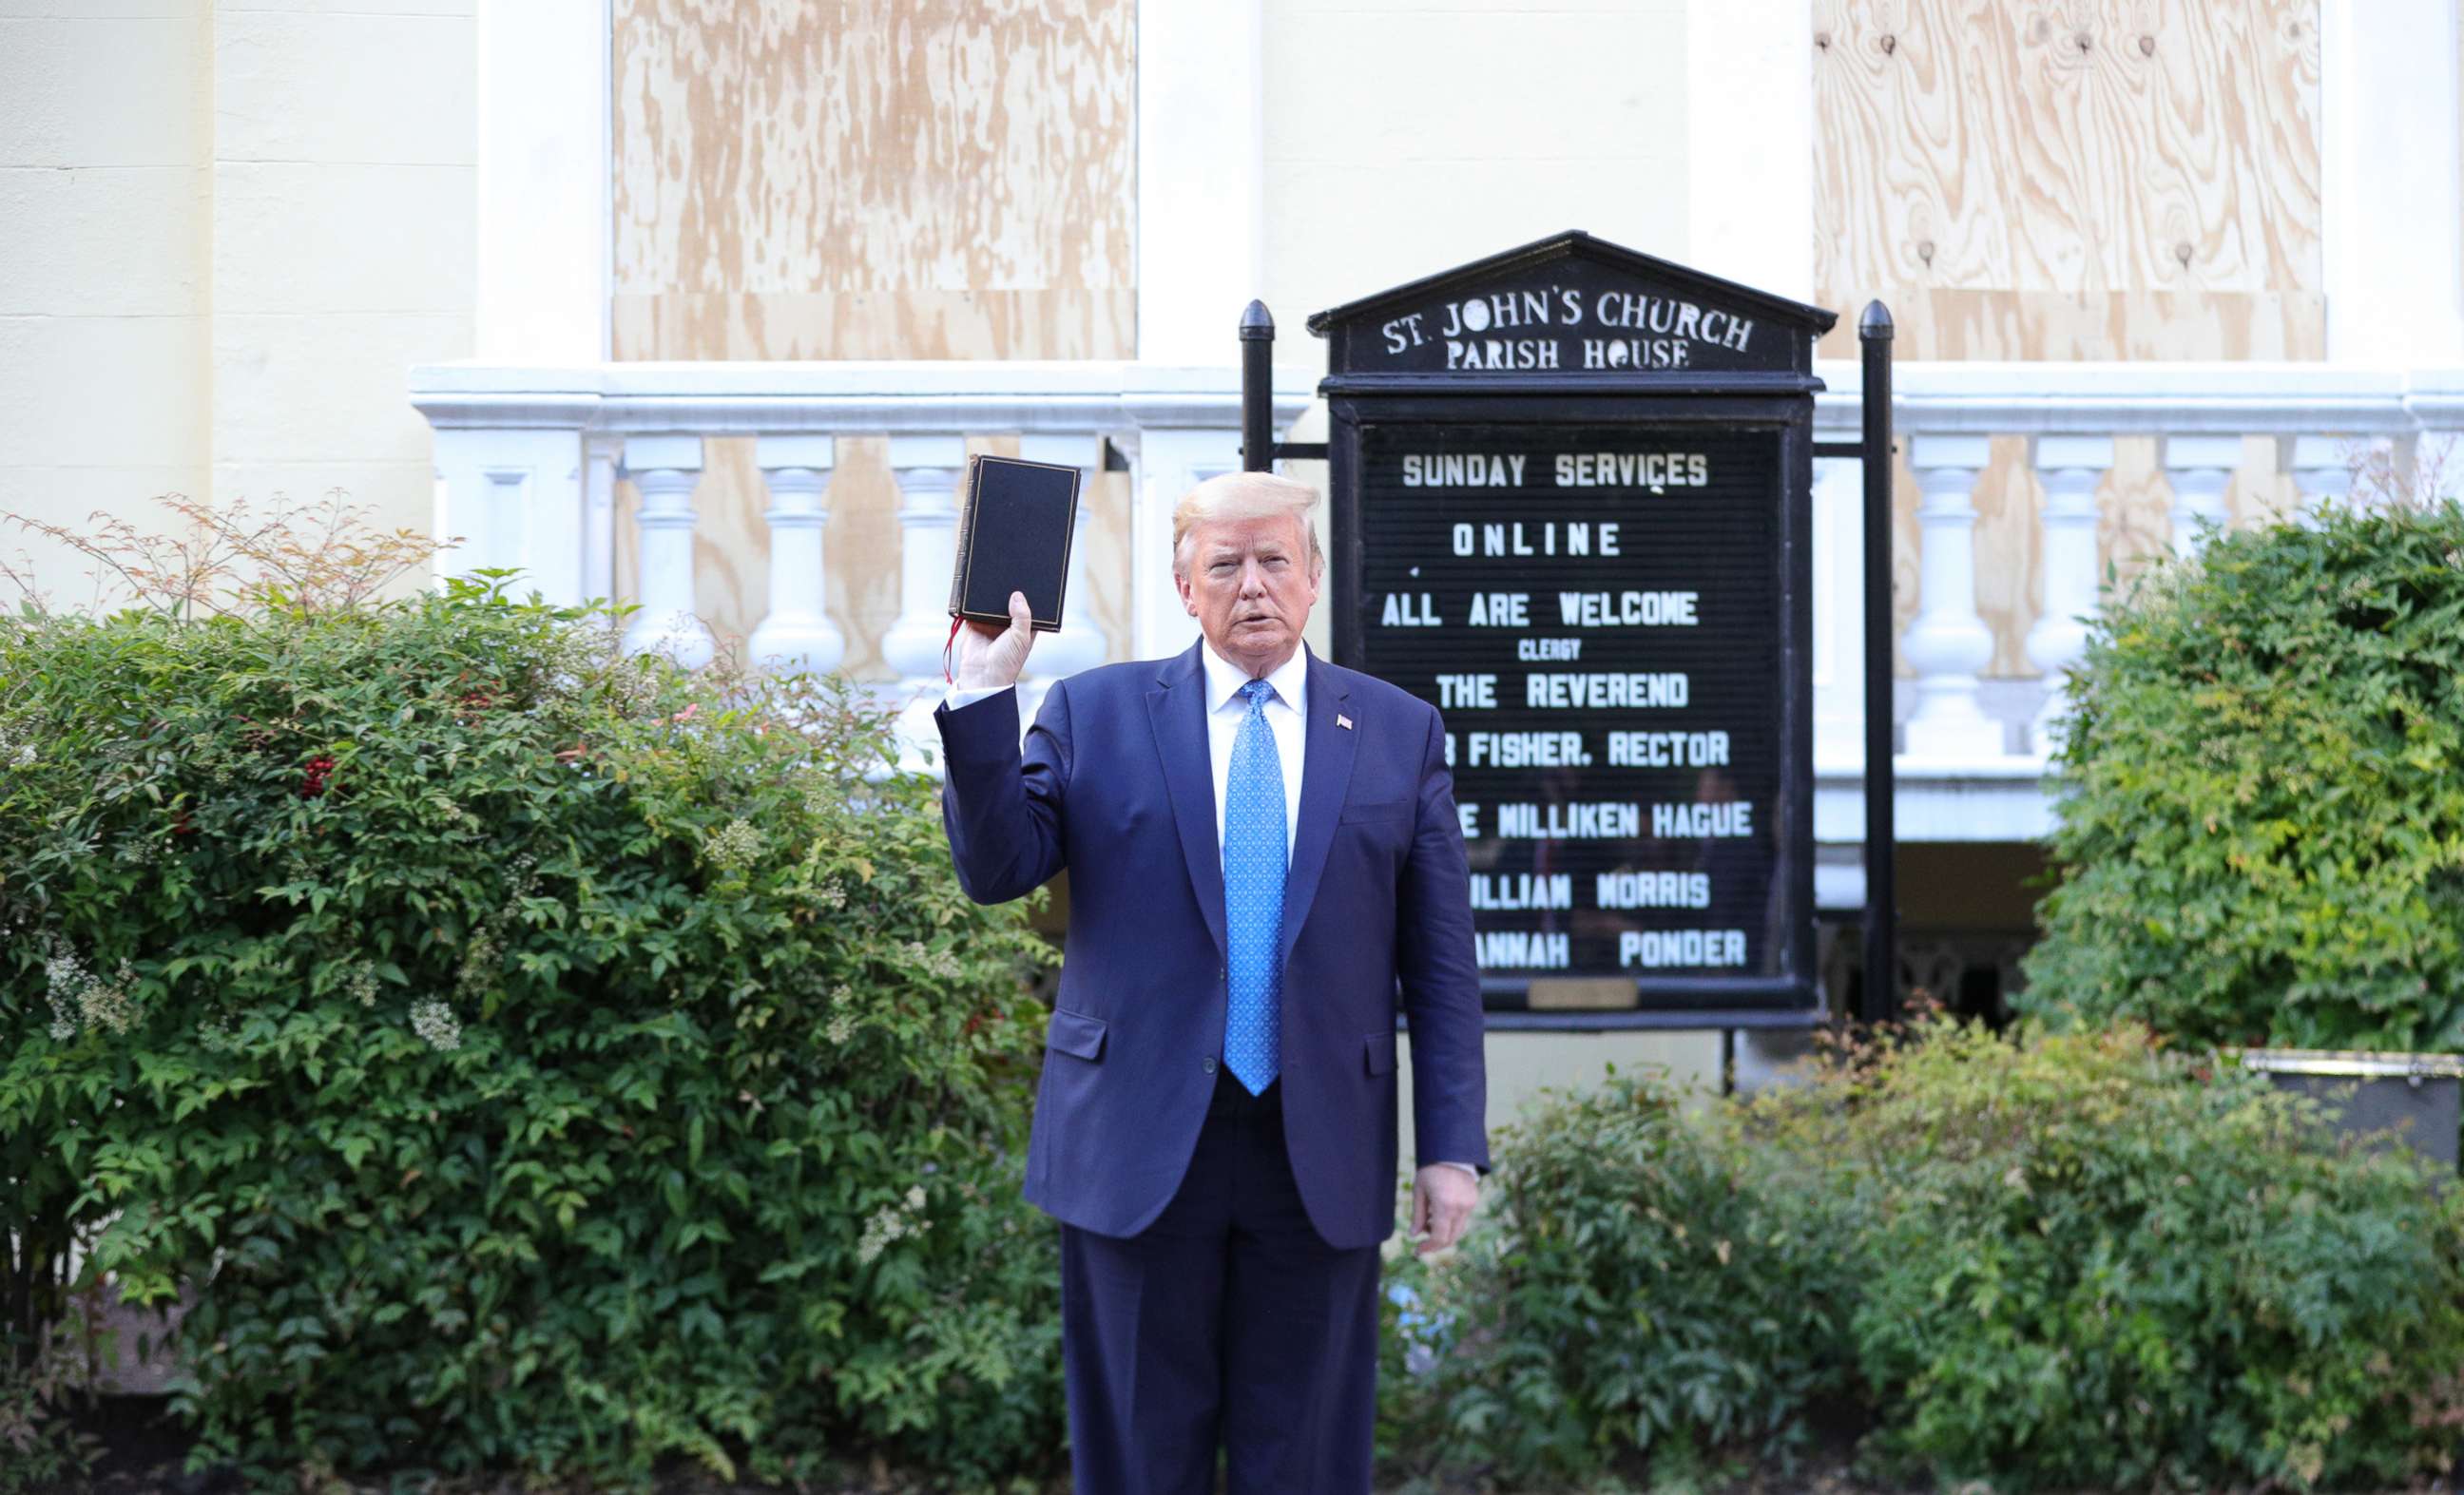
2091,149
1935,322
928,147
876,325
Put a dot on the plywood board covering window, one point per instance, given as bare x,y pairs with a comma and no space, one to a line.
2089,180
874,179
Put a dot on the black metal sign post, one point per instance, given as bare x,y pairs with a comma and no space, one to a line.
1572,496
1881,993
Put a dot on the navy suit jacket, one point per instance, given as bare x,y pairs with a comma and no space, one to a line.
1115,784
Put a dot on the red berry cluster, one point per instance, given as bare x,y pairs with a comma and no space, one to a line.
312,783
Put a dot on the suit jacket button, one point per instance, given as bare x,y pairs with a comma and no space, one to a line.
1207,1063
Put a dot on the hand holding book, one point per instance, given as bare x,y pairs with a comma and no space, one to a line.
994,656
1015,528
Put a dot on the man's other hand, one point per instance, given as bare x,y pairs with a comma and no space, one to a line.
1442,1205
991,657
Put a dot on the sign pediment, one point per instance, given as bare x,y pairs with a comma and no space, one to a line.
1571,305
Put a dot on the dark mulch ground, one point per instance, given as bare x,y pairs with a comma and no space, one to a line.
143,1449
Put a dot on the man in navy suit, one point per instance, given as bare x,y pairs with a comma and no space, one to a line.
1265,864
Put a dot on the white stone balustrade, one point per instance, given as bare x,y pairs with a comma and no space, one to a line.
1948,644
2322,469
928,470
2070,468
527,459
797,633
666,470
2200,468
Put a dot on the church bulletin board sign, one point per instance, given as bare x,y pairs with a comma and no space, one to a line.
1571,491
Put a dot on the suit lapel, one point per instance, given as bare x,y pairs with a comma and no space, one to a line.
1177,710
1326,774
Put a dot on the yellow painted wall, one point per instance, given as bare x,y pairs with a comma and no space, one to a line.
105,235
227,230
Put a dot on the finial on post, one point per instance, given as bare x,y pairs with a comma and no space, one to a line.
1257,389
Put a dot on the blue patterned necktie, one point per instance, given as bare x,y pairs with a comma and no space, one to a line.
1254,855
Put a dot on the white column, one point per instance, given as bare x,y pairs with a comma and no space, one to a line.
544,220
797,634
665,470
2071,468
515,497
1749,106
2323,473
1202,172
1948,642
2391,217
2200,469
1839,613
927,469
1080,645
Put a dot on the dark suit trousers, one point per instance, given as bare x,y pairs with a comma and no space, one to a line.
1226,1322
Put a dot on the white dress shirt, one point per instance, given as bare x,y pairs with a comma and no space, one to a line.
1287,714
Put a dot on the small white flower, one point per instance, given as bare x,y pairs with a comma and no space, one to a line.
734,847
434,1022
885,1226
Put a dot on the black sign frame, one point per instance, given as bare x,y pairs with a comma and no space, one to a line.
1775,398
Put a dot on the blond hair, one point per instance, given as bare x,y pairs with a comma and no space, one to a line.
1242,495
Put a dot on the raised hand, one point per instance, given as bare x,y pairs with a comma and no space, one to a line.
991,657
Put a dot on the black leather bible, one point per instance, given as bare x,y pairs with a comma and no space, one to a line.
1016,520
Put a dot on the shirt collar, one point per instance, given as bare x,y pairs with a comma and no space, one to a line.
1224,678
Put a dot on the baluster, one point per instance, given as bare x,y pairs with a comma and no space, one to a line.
2071,468
927,469
665,470
1948,642
797,634
2200,469
1080,645
2322,474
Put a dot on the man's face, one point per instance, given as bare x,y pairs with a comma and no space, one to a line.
1249,587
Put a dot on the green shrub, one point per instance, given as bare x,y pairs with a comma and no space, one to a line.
2261,832
1620,1296
539,1061
2084,1262
40,1449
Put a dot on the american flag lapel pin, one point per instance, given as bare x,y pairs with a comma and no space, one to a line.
1343,721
